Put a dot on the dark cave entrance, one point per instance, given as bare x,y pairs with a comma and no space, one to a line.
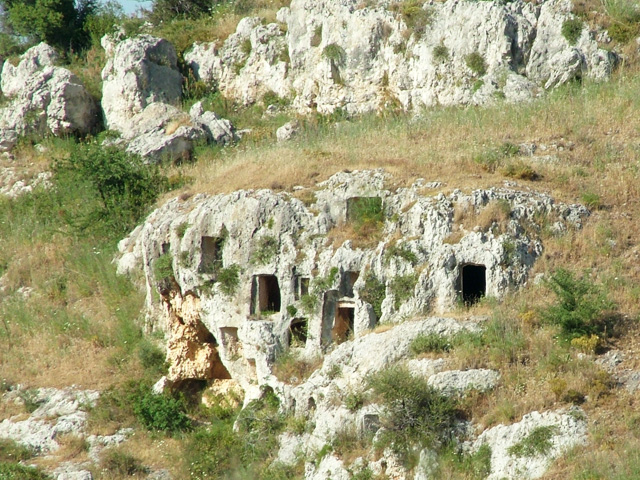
473,280
343,324
298,331
266,294
211,254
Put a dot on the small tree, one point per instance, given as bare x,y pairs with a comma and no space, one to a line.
60,23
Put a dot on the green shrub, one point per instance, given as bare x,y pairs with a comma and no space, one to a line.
401,251
414,15
322,284
430,343
373,292
472,465
116,188
416,413
162,413
168,10
292,310
152,358
163,267
538,442
580,306
213,452
354,401
476,63
402,287
440,53
490,159
366,213
267,248
182,229
309,303
116,461
229,279
335,54
571,30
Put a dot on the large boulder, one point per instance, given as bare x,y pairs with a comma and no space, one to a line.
364,56
43,99
139,71
141,90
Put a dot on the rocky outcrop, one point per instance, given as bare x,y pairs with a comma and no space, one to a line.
141,90
257,270
525,450
58,412
364,56
43,99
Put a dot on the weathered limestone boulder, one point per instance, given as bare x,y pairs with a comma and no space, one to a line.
564,430
59,412
364,56
141,90
43,99
454,382
139,71
288,131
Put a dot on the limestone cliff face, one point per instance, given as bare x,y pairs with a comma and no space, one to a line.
366,56
253,271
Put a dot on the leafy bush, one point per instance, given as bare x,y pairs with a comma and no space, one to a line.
491,158
401,251
580,306
366,213
414,15
322,284
152,357
440,53
354,401
476,63
571,30
229,279
335,53
538,442
402,287
117,188
168,10
373,292
163,267
161,412
416,413
267,248
430,343
60,23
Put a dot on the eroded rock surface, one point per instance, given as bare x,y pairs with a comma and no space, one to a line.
257,271
44,99
365,56
142,89
565,430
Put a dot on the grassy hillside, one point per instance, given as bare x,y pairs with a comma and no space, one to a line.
67,318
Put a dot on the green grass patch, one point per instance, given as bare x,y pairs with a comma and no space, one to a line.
538,442
572,29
